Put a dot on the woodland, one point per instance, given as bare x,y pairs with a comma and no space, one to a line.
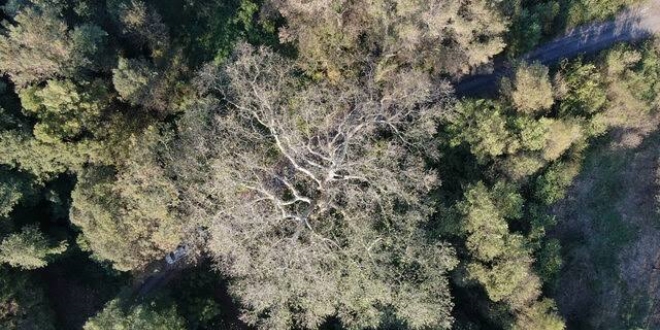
314,160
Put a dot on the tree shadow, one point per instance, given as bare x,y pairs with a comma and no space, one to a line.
604,225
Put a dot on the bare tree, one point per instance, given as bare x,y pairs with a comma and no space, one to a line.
317,195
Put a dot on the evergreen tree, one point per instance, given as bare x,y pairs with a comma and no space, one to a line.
41,46
29,249
146,316
530,91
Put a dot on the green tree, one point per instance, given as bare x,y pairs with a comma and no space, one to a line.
582,11
531,90
520,166
482,124
552,185
632,75
14,187
564,134
531,23
142,25
585,90
29,249
22,151
136,81
549,260
533,134
442,36
147,316
501,262
483,222
65,110
540,315
127,215
41,46
509,277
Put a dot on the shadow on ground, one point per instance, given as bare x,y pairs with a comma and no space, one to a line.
610,233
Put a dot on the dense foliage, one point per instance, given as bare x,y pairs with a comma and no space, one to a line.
336,177
312,151
147,317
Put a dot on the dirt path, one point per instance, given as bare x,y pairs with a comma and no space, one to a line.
630,25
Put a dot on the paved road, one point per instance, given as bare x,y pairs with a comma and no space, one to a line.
630,25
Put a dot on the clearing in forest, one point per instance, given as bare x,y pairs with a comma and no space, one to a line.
610,233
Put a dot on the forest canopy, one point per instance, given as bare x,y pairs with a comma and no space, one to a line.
287,164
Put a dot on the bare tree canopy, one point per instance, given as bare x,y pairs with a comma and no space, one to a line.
317,197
